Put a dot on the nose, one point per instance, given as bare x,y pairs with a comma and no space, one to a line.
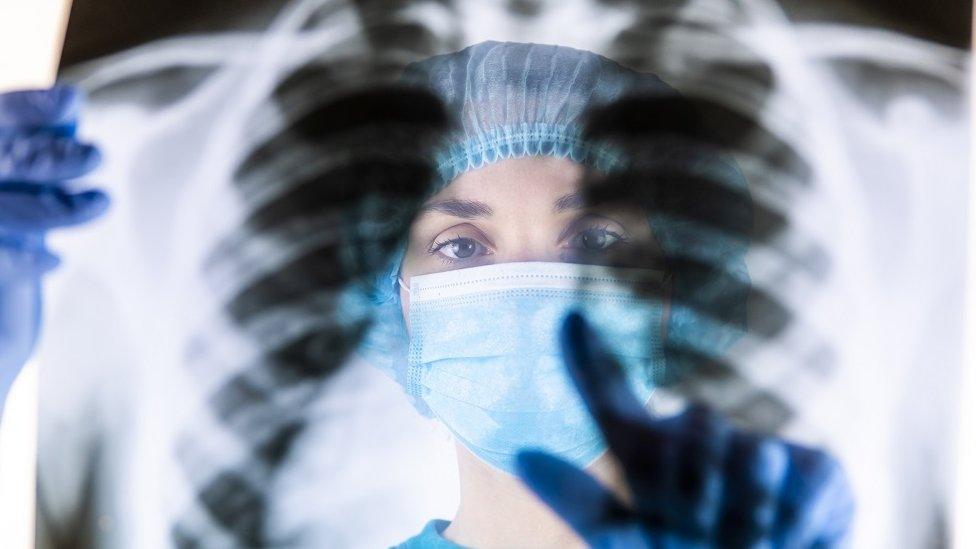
531,255
529,247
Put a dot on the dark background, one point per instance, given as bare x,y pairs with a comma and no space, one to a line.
100,27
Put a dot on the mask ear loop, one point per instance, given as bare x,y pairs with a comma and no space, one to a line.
401,284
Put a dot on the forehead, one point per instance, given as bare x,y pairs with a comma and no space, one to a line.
516,179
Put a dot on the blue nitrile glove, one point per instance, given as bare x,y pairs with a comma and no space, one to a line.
38,155
696,481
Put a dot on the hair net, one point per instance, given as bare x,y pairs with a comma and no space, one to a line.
511,100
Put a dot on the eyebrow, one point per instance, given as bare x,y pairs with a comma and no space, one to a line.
571,201
466,209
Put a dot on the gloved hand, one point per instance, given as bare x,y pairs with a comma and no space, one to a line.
38,155
695,480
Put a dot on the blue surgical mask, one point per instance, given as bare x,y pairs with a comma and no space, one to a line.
484,353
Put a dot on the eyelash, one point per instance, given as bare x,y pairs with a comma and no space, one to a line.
621,238
437,246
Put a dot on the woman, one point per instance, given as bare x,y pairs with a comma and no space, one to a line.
511,241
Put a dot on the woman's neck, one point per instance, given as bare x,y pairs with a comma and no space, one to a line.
498,510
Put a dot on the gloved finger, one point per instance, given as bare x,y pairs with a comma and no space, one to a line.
815,506
52,108
622,419
674,465
45,158
20,313
28,207
677,474
834,523
19,262
573,494
599,379
754,471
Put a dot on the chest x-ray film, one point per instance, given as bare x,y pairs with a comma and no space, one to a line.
269,342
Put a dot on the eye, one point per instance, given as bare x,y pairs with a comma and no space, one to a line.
459,248
595,239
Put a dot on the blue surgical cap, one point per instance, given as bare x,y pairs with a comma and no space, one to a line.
511,100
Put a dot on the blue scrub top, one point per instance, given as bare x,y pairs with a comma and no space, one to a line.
430,537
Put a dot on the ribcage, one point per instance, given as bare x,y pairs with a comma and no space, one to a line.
336,163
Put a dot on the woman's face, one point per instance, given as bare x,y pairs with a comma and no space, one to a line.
523,209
